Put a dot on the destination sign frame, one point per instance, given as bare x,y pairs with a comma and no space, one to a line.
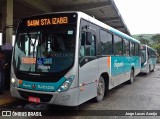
49,20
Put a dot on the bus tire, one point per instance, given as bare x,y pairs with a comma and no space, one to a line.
100,90
131,77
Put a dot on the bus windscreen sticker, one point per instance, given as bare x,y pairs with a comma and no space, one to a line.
45,61
28,60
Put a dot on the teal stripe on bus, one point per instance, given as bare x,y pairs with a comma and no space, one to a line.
123,64
42,86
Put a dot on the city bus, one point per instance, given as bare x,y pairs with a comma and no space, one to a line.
68,58
148,59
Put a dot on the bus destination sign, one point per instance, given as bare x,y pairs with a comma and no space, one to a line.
47,21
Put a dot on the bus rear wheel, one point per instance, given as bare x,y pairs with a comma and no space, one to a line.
131,77
100,90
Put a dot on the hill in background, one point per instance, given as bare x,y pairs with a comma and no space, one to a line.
145,36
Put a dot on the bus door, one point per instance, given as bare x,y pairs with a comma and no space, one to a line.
88,63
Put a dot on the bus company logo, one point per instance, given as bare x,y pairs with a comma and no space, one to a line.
117,65
34,86
26,85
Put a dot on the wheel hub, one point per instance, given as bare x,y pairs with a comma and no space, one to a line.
100,88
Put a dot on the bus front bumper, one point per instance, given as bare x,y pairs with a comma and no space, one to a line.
66,98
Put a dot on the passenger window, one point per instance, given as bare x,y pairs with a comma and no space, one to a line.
137,49
82,47
106,43
117,45
88,45
132,47
126,47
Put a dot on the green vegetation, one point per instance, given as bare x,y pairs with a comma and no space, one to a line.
156,42
145,36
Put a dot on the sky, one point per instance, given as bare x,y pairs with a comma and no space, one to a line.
140,16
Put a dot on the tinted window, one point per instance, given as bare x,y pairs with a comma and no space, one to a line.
137,49
152,53
117,45
132,47
47,50
88,45
106,42
125,47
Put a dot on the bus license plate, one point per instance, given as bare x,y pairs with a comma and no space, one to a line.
34,99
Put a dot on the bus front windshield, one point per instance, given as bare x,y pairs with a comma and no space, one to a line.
45,49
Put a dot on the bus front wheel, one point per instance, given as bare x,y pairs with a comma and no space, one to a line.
100,90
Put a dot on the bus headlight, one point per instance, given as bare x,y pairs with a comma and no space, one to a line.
65,86
13,81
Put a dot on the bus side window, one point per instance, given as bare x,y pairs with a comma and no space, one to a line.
126,47
132,49
87,47
117,45
82,47
136,49
106,42
92,49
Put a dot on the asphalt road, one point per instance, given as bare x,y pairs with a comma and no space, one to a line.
143,94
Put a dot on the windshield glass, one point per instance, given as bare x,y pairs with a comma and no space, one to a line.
45,49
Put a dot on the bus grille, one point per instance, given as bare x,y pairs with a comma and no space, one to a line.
43,97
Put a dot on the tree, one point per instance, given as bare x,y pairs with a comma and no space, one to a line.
143,40
156,42
156,39
156,47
